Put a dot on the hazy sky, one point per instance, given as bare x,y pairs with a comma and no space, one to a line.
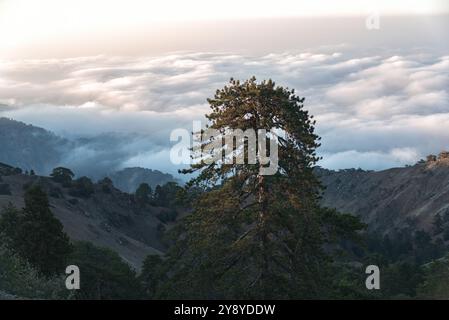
75,27
87,67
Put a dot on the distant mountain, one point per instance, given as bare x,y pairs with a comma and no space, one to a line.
392,199
129,179
30,147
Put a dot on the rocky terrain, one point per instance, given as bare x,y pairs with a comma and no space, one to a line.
392,199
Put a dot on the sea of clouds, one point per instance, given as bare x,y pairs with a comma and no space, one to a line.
372,111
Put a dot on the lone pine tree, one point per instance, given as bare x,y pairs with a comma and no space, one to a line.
253,235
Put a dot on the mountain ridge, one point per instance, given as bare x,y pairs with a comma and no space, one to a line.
392,199
34,148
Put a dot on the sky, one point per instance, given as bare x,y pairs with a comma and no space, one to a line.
82,68
94,26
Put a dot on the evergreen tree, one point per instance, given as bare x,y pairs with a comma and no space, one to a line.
62,175
9,222
104,274
436,280
143,193
159,196
151,275
437,224
82,187
106,185
35,234
166,195
254,235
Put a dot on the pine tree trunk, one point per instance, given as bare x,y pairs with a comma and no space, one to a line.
262,229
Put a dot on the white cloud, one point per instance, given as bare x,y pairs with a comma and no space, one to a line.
373,160
372,111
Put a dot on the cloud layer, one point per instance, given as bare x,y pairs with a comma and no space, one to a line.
373,112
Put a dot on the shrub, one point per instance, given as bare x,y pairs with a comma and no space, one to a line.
82,188
143,193
104,275
106,185
19,278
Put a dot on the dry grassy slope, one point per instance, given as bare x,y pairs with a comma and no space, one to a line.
111,220
390,199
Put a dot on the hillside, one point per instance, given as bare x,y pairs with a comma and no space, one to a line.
30,147
129,179
392,199
108,217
